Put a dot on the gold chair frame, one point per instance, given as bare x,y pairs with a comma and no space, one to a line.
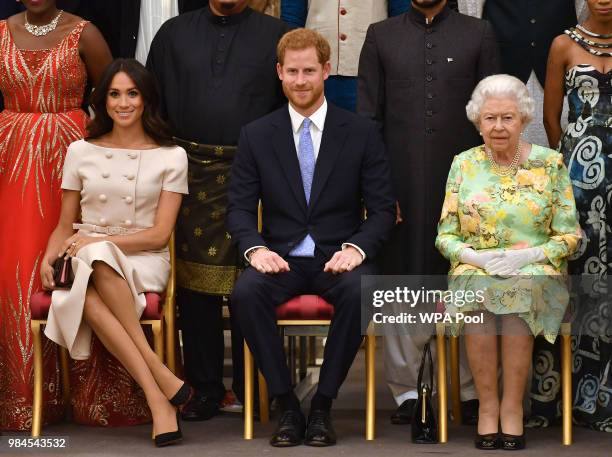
264,414
164,327
566,380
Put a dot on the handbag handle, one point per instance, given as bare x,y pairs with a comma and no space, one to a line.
426,358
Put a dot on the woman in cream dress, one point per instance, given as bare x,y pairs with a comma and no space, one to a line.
126,182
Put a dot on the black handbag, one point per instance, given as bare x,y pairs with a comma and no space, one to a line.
62,273
424,425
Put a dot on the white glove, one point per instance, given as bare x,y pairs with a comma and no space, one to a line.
513,260
478,258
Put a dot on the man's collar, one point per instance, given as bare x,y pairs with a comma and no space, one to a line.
317,118
227,20
419,18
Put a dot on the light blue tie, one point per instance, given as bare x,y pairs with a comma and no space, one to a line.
306,157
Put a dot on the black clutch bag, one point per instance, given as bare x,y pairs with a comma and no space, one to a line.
424,425
62,273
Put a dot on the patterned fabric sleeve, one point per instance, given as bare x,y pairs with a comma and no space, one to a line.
564,228
449,240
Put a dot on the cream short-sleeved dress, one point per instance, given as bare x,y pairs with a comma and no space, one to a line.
119,188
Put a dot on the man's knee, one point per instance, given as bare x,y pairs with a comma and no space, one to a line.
250,283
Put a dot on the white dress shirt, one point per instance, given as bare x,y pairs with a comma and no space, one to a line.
317,125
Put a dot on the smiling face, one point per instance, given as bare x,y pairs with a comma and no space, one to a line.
501,124
601,9
38,6
303,78
124,103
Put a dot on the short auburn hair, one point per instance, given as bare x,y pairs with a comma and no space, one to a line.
299,39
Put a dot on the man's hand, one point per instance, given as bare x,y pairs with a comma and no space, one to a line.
266,261
346,260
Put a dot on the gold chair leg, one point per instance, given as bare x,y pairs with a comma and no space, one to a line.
566,383
158,342
454,380
170,337
370,385
264,403
442,393
248,393
37,411
65,370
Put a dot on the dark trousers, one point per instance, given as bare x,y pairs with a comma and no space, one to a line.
256,296
201,320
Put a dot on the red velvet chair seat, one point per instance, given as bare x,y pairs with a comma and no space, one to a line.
41,302
305,307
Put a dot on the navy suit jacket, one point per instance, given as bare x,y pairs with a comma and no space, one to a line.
351,172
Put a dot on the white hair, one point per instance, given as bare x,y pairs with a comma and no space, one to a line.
500,86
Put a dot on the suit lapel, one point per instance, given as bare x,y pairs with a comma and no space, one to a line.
284,148
334,136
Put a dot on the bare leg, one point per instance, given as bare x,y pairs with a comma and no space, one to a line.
116,294
481,347
114,337
517,346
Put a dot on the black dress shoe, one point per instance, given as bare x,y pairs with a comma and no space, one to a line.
403,413
200,408
320,431
487,442
182,396
290,430
512,442
469,412
168,438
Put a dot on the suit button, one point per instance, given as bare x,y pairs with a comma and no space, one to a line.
105,174
430,96
343,37
429,62
102,221
102,198
429,45
128,222
429,131
533,21
429,30
132,155
342,11
109,155
130,176
429,113
533,44
128,199
429,78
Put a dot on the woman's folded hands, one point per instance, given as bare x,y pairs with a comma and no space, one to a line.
502,262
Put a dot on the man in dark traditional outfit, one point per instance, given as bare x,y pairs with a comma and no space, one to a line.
216,67
416,74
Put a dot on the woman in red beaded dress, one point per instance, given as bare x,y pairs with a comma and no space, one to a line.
46,57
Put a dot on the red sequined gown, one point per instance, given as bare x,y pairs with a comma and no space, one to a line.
43,92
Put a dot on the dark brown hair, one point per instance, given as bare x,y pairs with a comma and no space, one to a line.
299,39
152,122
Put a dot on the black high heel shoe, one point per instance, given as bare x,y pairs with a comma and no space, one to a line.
165,439
488,441
182,396
513,442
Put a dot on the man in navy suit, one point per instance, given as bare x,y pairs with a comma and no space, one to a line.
313,166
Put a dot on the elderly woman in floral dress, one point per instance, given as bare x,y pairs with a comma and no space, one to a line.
508,225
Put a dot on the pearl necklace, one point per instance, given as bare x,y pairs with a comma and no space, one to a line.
41,30
504,170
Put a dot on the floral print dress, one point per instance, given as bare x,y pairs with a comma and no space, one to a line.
533,208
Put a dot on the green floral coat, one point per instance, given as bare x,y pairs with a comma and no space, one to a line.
533,208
